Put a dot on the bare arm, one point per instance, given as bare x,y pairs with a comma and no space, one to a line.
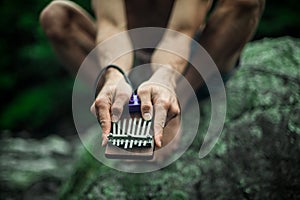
159,92
115,92
186,18
111,20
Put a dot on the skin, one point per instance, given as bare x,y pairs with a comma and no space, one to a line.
73,34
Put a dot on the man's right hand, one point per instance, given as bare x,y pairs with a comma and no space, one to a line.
109,103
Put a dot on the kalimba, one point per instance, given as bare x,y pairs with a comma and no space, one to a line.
131,137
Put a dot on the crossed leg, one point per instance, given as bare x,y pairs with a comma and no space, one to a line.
71,31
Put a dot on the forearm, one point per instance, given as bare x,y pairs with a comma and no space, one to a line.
172,50
111,20
186,18
108,52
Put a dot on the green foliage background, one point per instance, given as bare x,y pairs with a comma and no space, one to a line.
35,88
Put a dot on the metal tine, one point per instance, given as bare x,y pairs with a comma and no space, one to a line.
119,127
136,127
148,128
114,128
124,126
140,143
131,144
139,127
133,127
144,127
129,126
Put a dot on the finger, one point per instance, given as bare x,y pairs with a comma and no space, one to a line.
102,107
159,123
146,104
121,99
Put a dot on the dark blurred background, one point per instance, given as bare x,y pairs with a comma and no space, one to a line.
36,90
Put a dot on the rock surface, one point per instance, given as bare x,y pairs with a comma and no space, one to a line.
34,169
257,156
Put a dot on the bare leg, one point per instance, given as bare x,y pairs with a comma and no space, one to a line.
70,30
229,28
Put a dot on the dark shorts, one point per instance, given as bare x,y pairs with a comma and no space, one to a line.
202,93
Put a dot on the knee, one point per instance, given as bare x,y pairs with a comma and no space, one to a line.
54,20
255,7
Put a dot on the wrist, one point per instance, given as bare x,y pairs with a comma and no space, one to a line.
165,74
112,74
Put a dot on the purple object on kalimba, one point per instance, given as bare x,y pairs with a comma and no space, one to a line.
134,104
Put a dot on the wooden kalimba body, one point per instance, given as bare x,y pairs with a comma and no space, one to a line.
132,137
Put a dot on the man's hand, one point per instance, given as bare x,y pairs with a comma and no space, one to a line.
158,95
108,106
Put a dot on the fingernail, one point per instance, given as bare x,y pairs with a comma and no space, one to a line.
147,116
114,118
